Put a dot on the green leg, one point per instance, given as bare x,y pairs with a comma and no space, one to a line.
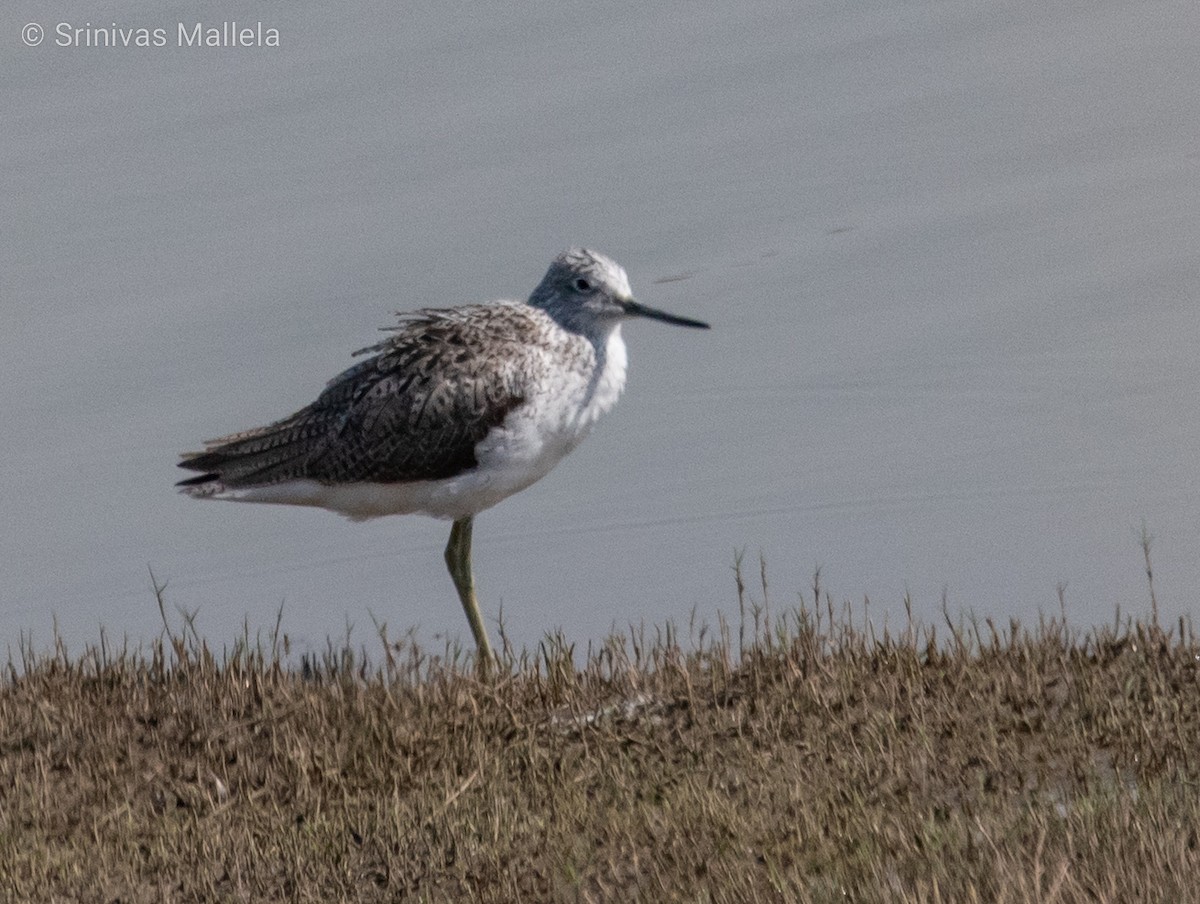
458,561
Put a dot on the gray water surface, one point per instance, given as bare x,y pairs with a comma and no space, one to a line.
948,251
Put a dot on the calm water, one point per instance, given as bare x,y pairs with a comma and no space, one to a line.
948,251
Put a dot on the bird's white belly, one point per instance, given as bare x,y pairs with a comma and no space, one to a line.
525,448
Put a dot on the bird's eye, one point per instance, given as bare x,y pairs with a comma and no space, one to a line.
583,285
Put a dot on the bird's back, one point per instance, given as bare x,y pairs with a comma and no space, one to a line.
418,409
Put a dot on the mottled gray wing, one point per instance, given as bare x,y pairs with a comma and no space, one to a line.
415,410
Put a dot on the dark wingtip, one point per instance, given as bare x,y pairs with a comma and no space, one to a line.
198,480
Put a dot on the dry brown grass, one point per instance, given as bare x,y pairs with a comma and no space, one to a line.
825,762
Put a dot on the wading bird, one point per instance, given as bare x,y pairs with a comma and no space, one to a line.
456,410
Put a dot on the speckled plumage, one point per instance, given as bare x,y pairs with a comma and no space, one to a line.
456,410
414,410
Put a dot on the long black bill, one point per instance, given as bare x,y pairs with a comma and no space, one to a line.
633,309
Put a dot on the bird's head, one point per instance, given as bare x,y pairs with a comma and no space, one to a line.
584,291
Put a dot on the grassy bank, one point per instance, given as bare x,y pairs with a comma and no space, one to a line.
801,759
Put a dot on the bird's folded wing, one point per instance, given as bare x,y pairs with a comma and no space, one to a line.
413,411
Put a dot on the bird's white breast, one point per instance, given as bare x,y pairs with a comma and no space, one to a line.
540,433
